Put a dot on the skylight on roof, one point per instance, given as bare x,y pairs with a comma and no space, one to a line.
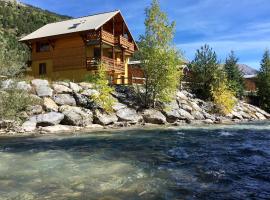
74,26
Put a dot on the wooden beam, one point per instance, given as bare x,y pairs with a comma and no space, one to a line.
113,27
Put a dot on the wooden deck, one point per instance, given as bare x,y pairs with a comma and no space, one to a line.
110,39
111,65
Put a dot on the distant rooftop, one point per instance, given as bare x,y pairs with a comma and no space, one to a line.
92,22
248,71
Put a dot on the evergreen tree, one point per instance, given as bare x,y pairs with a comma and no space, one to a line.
234,75
263,82
206,72
159,58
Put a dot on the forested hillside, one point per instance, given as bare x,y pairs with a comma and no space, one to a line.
17,20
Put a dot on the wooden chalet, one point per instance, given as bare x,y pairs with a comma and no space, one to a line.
73,48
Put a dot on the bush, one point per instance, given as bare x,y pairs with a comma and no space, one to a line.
224,98
13,102
100,79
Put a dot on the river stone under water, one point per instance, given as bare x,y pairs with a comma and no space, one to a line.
217,162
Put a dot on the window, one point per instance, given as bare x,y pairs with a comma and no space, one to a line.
43,47
96,52
42,69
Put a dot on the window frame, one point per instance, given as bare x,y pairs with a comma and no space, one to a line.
43,47
42,69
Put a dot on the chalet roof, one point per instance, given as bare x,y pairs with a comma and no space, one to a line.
92,22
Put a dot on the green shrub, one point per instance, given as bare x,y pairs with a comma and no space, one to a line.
100,80
13,102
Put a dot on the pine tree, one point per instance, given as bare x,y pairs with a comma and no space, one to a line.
206,72
263,82
234,75
159,58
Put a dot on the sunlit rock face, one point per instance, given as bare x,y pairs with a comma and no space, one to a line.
192,162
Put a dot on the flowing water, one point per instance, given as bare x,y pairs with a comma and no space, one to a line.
217,162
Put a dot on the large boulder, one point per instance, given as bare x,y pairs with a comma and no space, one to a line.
171,111
90,92
50,105
22,85
42,88
48,119
76,116
84,101
181,95
172,115
62,83
129,115
260,116
186,107
29,126
34,110
44,91
64,99
86,85
104,119
185,115
61,89
236,115
195,106
118,106
153,117
198,115
75,87
39,82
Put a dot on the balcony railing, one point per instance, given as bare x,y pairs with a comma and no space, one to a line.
111,39
125,43
111,64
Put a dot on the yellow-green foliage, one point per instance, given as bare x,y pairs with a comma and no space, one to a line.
224,98
104,98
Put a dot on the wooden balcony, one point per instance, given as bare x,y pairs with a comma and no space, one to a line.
109,38
111,65
126,44
105,36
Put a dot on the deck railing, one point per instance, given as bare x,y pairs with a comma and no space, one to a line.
111,64
111,39
125,43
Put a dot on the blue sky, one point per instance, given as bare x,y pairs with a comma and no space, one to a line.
239,25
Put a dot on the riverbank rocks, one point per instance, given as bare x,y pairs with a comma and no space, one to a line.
61,88
59,129
42,88
48,119
64,99
50,105
129,115
29,126
22,85
76,116
64,104
75,87
153,117
104,118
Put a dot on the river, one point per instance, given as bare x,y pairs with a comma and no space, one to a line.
207,162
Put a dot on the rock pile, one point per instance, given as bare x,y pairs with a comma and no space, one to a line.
69,107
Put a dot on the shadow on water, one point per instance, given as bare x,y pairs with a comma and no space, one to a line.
218,162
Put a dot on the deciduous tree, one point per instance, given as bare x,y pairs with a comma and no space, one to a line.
160,59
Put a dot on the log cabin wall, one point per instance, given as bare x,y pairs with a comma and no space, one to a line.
65,60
